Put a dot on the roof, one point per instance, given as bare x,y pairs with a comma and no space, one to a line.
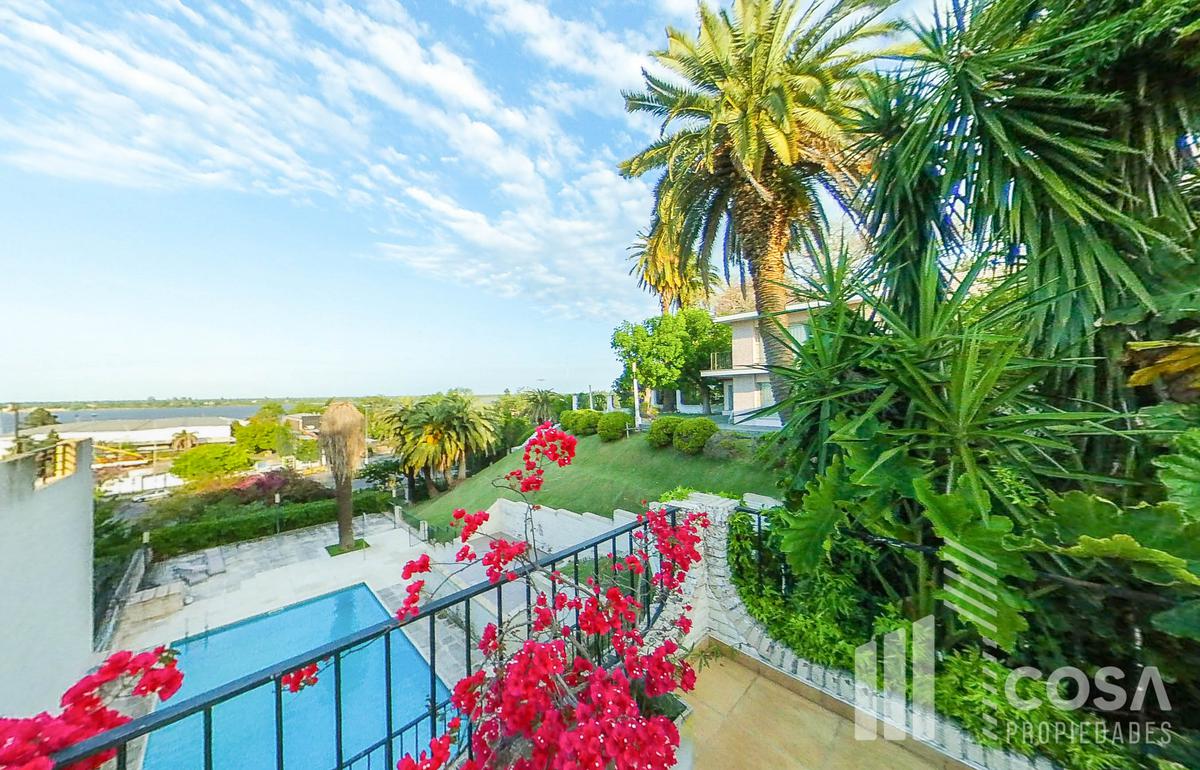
752,314
132,425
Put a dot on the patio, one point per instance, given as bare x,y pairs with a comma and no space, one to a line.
741,719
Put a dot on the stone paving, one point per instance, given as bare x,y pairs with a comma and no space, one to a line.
243,561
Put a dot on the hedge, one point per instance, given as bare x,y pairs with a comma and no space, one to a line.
584,422
662,431
258,521
613,425
566,419
691,434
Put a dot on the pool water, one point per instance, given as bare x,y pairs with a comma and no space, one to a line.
243,728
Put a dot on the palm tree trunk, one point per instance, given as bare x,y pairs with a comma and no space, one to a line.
705,398
462,466
430,488
345,514
765,230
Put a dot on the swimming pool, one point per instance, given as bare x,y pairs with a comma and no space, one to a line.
243,728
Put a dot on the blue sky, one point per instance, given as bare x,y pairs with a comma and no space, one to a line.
303,197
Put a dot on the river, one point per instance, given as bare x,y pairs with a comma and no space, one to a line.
235,412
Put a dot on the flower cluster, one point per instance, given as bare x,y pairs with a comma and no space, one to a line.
548,445
471,522
27,744
679,545
295,681
502,553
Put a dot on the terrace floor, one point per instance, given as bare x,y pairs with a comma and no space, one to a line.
743,720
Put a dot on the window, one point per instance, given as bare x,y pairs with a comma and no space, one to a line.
765,397
798,330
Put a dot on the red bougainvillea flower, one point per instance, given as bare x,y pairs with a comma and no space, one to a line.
417,566
27,744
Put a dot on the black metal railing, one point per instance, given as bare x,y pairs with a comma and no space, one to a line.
400,733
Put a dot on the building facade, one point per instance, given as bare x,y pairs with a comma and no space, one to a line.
46,574
739,371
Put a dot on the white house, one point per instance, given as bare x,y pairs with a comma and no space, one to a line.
739,370
45,575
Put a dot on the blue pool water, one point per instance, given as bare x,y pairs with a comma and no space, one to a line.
244,727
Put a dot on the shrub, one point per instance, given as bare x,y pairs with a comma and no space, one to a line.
254,521
662,431
613,425
690,435
727,445
566,419
585,421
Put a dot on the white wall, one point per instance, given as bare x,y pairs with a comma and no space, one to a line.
555,528
45,583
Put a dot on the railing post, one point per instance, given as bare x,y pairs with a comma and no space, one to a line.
388,750
432,677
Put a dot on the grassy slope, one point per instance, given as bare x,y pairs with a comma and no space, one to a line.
610,475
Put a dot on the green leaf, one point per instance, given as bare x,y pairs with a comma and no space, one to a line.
1180,473
1182,620
981,561
804,537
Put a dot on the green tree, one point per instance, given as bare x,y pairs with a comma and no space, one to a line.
753,125
40,417
702,338
270,410
344,443
210,461
672,349
542,404
262,434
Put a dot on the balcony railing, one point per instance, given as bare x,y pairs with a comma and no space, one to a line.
722,360
395,739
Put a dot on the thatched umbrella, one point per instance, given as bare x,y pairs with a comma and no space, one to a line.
344,442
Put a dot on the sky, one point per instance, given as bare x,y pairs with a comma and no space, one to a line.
317,197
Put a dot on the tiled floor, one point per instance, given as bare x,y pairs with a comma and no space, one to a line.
743,721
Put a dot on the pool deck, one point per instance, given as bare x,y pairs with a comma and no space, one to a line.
267,574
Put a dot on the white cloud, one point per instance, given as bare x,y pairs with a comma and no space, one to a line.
358,106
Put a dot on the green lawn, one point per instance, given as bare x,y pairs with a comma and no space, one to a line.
604,476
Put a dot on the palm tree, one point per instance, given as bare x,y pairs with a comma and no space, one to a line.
752,130
541,404
667,271
473,424
344,444
431,445
184,440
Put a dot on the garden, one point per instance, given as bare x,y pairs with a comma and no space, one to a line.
992,418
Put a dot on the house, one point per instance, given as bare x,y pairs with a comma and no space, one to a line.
307,423
46,572
745,385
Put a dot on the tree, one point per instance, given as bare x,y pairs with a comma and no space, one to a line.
752,128
653,349
262,434
542,404
210,461
40,417
672,349
1053,130
676,278
344,443
184,440
702,338
270,410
